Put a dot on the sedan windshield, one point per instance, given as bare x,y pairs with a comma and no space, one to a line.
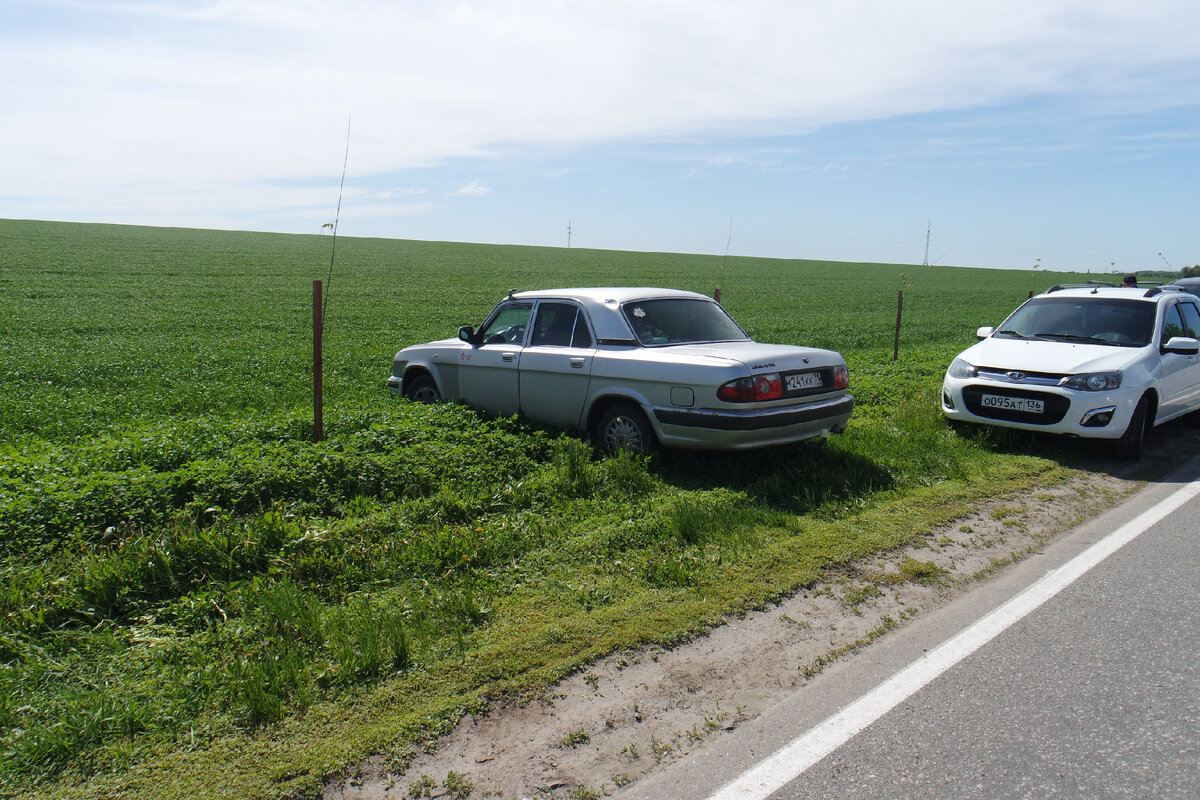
681,321
1107,321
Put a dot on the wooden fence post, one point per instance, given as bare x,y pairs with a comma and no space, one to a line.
896,341
318,366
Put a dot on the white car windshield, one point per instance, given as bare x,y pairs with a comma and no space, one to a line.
1104,321
681,321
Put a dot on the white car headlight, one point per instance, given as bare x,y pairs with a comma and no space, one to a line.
961,369
1093,381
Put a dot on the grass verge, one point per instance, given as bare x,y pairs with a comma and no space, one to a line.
256,654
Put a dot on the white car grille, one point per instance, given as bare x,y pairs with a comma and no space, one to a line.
1021,376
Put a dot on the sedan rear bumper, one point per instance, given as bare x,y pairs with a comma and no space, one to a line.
731,429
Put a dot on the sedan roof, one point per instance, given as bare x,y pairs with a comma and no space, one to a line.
608,295
602,304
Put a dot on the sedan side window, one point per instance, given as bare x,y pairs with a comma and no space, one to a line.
507,325
583,337
560,325
555,324
1191,319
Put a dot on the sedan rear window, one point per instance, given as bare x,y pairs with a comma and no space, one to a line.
1106,321
681,321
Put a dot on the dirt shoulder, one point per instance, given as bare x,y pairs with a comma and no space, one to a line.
633,712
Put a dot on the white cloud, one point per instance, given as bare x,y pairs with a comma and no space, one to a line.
389,210
472,189
170,94
391,194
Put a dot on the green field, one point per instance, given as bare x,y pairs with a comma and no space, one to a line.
198,601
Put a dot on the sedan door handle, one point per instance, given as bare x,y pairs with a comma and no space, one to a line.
507,357
577,363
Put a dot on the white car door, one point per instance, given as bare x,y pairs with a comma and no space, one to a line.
1190,391
1178,373
556,367
488,377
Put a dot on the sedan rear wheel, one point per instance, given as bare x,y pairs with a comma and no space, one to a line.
624,427
422,389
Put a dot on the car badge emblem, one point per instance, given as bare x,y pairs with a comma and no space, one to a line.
1015,376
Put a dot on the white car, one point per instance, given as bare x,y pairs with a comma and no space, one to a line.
1092,360
635,368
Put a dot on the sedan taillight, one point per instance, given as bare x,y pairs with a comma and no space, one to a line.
752,390
841,377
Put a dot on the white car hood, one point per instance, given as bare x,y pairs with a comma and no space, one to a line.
1054,357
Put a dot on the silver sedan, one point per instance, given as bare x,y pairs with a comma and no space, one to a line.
636,368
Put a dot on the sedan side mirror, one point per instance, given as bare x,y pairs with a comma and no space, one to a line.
467,334
1183,345
985,332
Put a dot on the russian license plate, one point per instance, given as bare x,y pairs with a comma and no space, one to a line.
1026,404
804,380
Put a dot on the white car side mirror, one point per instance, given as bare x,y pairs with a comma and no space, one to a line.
1183,345
985,332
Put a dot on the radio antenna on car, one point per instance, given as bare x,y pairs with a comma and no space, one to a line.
320,304
721,279
337,216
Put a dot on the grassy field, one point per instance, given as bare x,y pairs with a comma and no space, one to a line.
197,601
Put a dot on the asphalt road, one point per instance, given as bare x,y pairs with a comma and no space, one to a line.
1093,693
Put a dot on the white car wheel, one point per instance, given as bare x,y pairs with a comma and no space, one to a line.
1130,443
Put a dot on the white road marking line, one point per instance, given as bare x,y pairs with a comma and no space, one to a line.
812,746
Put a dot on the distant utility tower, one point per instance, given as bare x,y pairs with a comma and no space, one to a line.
568,234
928,228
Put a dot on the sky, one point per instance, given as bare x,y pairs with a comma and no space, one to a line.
1059,134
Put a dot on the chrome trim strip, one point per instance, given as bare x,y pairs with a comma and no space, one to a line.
758,419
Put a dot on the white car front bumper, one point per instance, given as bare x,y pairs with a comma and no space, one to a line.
1049,409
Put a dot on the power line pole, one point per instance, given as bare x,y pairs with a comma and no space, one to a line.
568,234
928,228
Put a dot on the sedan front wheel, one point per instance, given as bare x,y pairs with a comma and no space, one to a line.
625,427
422,389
